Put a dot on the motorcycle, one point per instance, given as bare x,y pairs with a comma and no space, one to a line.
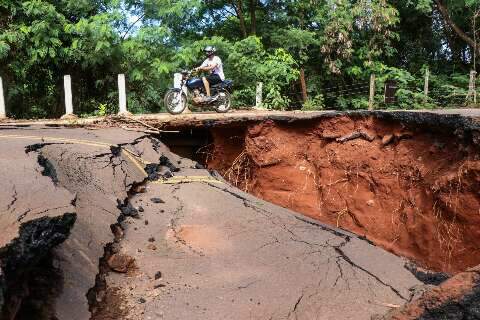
192,91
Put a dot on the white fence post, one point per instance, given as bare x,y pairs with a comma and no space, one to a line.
177,84
122,96
67,85
259,96
471,87
177,80
3,113
425,85
372,92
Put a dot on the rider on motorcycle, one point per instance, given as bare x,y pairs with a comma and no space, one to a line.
213,65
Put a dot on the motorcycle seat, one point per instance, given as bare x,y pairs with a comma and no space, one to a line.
224,84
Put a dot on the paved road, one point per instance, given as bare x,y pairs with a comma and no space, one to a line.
202,249
200,118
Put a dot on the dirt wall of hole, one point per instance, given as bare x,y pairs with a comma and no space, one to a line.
411,190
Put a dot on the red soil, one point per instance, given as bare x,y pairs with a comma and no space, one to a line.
448,295
412,192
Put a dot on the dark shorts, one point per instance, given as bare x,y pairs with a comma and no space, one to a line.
213,79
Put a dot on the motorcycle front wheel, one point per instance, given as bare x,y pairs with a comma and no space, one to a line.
224,102
175,101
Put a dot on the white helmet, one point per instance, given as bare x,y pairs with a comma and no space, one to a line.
209,50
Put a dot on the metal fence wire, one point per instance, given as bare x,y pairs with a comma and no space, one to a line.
423,91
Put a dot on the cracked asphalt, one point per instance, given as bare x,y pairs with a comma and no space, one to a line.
202,249
224,254
49,172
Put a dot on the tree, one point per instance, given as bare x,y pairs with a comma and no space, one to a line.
298,42
47,39
451,23
296,47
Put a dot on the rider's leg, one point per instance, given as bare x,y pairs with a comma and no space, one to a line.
207,86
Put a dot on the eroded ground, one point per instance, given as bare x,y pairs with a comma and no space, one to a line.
110,224
410,187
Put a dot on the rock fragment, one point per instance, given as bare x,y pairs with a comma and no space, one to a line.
120,262
151,246
457,298
117,232
387,139
157,200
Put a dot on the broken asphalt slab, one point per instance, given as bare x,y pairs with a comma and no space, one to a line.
35,216
80,174
223,254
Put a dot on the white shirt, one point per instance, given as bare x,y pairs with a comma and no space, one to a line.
219,66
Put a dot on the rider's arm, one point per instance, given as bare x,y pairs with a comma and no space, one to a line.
207,68
200,68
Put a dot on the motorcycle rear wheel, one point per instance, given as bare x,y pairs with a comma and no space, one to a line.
175,101
224,102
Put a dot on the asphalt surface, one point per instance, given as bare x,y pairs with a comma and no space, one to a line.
82,178
224,254
202,249
209,118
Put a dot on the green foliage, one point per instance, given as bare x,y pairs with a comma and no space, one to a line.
444,91
274,99
102,109
37,112
409,94
356,32
336,43
251,63
351,103
314,104
244,98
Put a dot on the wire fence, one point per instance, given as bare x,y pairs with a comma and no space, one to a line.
421,90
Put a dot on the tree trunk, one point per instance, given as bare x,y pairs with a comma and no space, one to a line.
253,17
303,85
238,6
459,32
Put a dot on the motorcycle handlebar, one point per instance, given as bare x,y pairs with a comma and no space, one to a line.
188,72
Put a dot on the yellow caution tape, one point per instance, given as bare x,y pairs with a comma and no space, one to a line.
135,162
75,141
187,179
136,156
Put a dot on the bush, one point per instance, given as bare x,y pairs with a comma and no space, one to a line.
315,103
249,63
